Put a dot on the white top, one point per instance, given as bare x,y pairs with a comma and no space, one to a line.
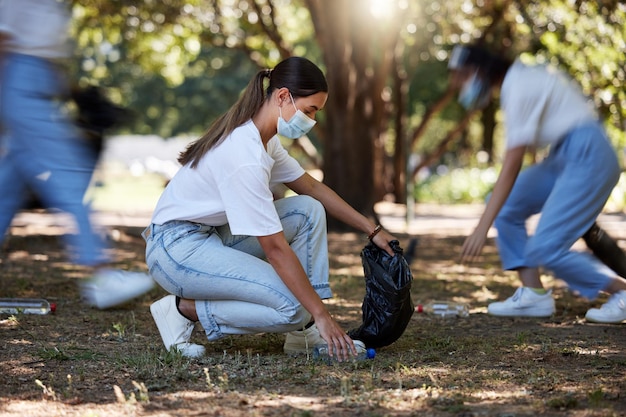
36,27
541,105
231,184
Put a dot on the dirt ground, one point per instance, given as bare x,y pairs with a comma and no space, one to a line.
84,362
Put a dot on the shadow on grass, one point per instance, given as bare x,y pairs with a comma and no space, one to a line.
478,365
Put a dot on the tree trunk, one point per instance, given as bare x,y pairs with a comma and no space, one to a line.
488,120
401,148
358,66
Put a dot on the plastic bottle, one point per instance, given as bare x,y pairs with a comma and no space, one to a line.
26,306
320,353
443,309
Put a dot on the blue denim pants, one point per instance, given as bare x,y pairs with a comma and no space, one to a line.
236,291
569,188
43,151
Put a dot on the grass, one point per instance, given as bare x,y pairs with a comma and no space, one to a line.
86,362
125,193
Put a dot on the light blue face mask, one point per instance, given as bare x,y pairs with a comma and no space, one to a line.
475,93
298,126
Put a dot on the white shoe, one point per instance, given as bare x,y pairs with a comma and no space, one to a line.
613,311
111,287
303,341
175,329
524,303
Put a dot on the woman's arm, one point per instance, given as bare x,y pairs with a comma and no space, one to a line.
511,167
340,209
286,264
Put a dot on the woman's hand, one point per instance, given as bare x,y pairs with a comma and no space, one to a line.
340,345
382,240
473,245
511,166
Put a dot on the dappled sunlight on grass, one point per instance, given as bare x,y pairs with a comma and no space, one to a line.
476,365
353,270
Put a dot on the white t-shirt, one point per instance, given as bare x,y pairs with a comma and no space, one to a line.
231,184
541,105
36,27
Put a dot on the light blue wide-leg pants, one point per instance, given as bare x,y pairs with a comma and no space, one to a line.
569,188
42,151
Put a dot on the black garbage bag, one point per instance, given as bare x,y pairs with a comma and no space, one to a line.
96,114
387,306
606,249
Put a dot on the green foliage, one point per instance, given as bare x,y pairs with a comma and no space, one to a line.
473,185
470,185
427,82
588,40
178,64
211,85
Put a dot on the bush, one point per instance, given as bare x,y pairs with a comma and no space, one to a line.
473,185
461,185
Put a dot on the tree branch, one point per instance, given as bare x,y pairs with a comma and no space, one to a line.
443,145
270,28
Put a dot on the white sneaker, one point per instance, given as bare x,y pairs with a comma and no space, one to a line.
302,341
175,329
524,303
613,311
111,287
359,346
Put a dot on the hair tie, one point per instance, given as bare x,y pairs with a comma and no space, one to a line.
268,73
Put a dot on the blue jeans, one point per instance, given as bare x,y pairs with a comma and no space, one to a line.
236,291
43,152
570,188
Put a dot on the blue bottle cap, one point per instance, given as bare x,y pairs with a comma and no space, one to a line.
370,353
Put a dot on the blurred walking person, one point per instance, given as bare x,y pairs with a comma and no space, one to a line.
43,151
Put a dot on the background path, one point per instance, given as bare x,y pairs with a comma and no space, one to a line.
429,219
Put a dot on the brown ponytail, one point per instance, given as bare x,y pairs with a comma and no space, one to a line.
302,77
248,104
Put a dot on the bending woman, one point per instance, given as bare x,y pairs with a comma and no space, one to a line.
543,108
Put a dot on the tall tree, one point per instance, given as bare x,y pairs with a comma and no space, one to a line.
358,46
